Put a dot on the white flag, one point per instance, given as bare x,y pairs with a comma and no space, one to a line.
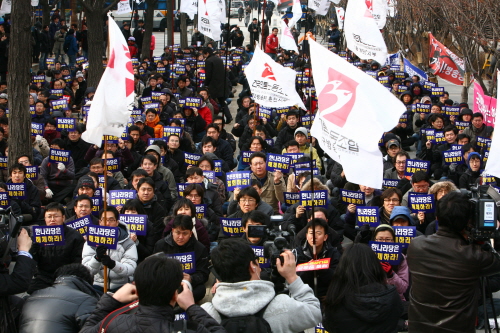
222,11
271,84
209,18
34,3
114,97
297,13
340,17
189,7
379,12
319,6
361,32
350,121
493,162
123,7
287,41
6,7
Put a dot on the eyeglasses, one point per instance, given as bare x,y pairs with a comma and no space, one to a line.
421,187
391,200
247,200
400,162
111,219
51,217
193,196
384,240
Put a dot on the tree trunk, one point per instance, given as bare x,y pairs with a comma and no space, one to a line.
184,37
74,19
46,8
19,80
96,44
170,23
148,28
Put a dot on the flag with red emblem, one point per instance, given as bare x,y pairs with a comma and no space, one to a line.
354,111
271,84
112,104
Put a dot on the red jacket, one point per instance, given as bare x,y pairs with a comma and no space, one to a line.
271,43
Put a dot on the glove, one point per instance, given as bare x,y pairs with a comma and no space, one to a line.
38,138
387,269
107,261
100,252
48,193
61,166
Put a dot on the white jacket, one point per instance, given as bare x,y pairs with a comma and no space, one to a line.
125,257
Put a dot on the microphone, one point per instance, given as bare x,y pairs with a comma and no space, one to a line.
291,228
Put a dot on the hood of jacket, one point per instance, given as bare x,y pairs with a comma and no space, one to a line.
477,156
180,249
153,123
401,210
124,233
75,282
242,298
374,303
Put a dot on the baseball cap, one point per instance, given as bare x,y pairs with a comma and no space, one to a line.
392,143
139,119
79,74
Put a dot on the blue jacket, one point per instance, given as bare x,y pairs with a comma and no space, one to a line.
73,46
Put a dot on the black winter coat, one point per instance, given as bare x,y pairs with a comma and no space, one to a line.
215,75
155,213
19,280
286,134
148,319
224,152
377,311
78,150
62,308
32,204
44,39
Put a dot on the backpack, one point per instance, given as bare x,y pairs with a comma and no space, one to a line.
66,45
246,324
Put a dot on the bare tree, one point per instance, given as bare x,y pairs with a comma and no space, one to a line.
148,28
19,80
46,8
95,11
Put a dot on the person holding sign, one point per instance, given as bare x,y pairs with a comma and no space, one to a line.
58,176
247,200
152,205
469,178
478,128
420,183
446,269
273,184
304,253
439,190
145,243
193,255
150,164
195,175
184,206
433,152
82,207
153,121
50,258
301,136
30,204
121,262
359,298
398,171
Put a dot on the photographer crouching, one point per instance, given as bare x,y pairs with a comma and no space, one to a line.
15,283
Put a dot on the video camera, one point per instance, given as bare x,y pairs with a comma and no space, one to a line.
484,199
10,227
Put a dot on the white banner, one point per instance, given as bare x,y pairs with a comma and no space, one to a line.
362,34
297,13
493,162
271,84
319,6
222,13
340,17
209,18
123,7
379,12
34,3
113,100
190,7
287,41
350,122
6,7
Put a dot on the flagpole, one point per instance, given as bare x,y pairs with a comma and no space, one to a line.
262,41
105,268
315,254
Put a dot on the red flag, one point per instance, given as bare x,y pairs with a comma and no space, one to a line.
445,63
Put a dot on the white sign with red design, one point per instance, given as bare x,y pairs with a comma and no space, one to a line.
362,33
350,121
271,84
493,164
209,18
340,17
114,97
287,41
485,104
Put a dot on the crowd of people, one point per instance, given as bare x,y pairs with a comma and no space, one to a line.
177,156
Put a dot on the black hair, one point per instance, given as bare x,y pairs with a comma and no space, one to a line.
54,206
219,118
453,211
82,197
194,171
466,147
257,217
134,204
419,176
134,128
231,259
183,222
477,114
212,125
462,136
197,187
207,139
291,143
138,172
150,158
358,267
59,142
17,166
255,182
111,209
77,270
249,191
451,128
208,159
146,180
181,202
157,279
317,209
390,192
176,121
96,160
24,155
257,154
317,223
160,144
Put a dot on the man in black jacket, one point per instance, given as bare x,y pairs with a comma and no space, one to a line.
64,306
31,204
254,30
216,80
78,149
156,281
224,150
287,133
50,258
